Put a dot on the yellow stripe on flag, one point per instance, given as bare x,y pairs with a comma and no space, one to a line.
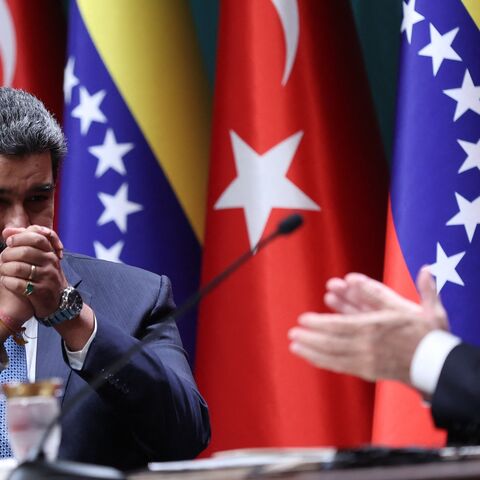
150,50
473,8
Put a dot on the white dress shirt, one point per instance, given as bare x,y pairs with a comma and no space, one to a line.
76,359
428,359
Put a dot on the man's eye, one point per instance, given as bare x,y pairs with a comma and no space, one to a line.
37,198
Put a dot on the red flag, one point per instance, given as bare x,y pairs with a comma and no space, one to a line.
32,49
293,131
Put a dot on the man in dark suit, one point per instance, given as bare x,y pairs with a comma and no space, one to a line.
377,334
81,314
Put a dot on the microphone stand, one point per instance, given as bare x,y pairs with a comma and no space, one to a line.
35,467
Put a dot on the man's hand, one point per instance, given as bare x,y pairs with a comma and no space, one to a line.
376,332
40,247
15,307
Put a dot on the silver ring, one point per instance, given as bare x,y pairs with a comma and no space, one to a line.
33,269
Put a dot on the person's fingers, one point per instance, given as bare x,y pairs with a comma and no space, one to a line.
30,255
29,239
335,323
369,294
52,236
349,364
430,301
347,325
336,285
37,236
19,286
21,270
312,355
338,298
9,231
359,293
338,304
426,288
321,341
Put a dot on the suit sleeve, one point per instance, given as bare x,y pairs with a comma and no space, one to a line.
154,393
456,400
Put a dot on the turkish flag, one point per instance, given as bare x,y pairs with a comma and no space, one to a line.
32,49
293,131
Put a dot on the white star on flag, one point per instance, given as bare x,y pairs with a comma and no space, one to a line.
117,208
410,18
473,155
444,268
440,48
261,184
111,254
468,216
110,154
70,81
467,96
88,110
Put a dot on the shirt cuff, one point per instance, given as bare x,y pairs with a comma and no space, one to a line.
428,359
77,359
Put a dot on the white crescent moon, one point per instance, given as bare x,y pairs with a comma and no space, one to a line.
8,43
288,12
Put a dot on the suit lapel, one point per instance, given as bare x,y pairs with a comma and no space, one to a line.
50,362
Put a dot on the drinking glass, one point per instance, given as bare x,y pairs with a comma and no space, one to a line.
30,409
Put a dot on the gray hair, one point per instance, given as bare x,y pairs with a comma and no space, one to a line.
27,127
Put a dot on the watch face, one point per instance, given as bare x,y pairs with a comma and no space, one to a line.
71,304
73,300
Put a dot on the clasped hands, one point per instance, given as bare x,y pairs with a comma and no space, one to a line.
38,246
375,331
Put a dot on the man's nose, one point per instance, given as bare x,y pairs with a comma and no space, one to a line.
16,217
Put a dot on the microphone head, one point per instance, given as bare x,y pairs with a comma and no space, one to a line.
290,224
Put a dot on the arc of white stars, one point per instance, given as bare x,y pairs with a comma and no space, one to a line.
440,48
110,154
473,155
467,96
261,183
111,254
88,110
117,208
468,215
444,269
410,18
70,81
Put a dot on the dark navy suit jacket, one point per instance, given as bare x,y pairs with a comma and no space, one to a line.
456,401
151,410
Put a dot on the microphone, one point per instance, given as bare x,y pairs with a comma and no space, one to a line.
35,467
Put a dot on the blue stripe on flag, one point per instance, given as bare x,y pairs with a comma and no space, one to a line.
155,235
428,157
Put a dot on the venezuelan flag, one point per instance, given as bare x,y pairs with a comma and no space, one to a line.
435,191
137,121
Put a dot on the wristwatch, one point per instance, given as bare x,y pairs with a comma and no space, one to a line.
70,306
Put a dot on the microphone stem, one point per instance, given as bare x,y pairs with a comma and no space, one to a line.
100,378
